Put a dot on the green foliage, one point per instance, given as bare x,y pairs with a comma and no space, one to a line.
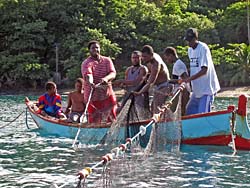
108,48
182,53
233,61
240,58
30,29
204,7
172,7
173,29
233,23
22,67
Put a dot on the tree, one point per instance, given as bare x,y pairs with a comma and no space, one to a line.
232,26
22,43
241,55
233,61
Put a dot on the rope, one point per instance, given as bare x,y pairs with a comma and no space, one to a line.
84,114
233,136
26,118
12,120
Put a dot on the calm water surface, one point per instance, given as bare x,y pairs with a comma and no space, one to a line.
28,160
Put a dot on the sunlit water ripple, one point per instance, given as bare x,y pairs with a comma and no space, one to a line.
28,160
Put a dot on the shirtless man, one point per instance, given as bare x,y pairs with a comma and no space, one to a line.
76,103
159,78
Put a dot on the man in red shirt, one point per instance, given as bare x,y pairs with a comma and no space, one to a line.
98,69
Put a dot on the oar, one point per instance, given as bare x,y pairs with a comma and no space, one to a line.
233,136
84,114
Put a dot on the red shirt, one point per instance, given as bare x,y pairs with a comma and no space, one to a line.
98,69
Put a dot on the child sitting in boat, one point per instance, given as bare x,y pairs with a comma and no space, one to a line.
76,105
50,103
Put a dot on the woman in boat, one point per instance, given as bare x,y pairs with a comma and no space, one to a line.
50,103
75,104
98,69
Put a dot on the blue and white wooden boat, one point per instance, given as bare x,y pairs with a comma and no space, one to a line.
50,126
222,127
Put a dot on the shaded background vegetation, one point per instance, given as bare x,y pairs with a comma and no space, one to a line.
32,30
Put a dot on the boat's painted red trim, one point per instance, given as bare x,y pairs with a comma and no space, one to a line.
242,105
229,110
242,143
223,140
211,140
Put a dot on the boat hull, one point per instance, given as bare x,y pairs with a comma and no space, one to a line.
89,133
223,128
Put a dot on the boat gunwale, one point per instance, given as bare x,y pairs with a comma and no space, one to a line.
193,116
63,123
230,109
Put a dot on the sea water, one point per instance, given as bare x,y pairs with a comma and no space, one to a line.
28,160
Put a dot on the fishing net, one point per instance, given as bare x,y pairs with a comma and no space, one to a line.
120,129
112,174
162,136
166,134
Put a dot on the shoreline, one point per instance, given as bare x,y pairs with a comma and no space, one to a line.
230,92
234,91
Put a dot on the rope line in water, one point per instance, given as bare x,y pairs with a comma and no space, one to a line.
12,120
115,152
233,135
26,119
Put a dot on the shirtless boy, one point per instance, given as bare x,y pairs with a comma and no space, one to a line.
76,103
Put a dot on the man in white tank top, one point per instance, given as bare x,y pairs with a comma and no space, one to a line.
203,77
